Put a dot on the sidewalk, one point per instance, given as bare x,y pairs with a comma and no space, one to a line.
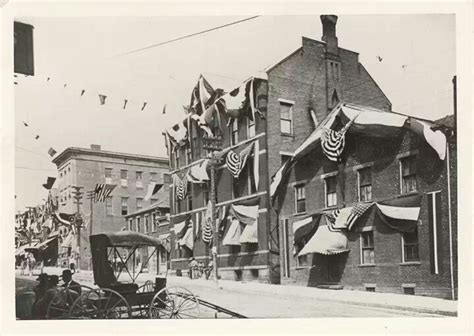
419,304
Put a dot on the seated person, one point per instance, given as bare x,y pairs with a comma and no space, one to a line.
69,283
42,286
40,308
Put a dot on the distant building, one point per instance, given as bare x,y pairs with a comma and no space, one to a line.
131,173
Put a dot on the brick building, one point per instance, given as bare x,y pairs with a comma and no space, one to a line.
153,221
86,167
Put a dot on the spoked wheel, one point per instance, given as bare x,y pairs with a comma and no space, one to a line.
101,303
174,303
62,301
147,287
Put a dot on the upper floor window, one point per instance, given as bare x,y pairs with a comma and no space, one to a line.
330,187
234,132
300,198
130,224
108,206
367,253
155,222
139,225
286,118
189,155
146,227
176,158
139,180
153,177
139,203
365,184
123,178
250,128
408,174
250,177
410,246
124,206
108,175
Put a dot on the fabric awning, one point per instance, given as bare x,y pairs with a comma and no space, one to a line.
45,244
326,242
22,249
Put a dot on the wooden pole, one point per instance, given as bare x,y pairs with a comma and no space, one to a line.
215,237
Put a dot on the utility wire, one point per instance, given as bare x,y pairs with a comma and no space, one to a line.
187,36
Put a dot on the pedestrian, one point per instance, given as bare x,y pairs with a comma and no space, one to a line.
192,268
72,263
69,283
40,308
209,268
31,263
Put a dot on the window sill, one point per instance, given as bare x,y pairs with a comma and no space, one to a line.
367,265
410,193
286,135
332,207
410,263
298,268
299,213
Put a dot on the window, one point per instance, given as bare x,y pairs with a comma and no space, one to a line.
189,198
250,128
410,246
365,184
250,177
139,203
155,222
367,248
138,224
153,177
408,174
108,206
330,184
205,193
139,180
300,199
124,206
176,158
146,224
286,118
130,224
189,155
163,256
108,175
409,290
124,178
234,132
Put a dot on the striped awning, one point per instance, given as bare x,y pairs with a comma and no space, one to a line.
45,244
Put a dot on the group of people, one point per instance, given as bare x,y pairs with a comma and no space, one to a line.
28,264
197,269
47,288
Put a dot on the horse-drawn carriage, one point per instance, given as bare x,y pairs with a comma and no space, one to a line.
115,298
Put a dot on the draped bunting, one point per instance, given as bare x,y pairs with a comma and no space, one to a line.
207,229
187,237
401,214
345,218
181,225
181,187
233,234
326,242
236,162
304,229
198,173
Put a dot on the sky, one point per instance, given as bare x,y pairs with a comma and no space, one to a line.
417,66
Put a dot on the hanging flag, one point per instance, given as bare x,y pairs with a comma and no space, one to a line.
153,188
332,143
37,137
200,95
181,187
144,104
236,162
401,214
16,83
102,99
48,79
65,85
49,183
24,123
164,109
345,218
198,173
207,227
436,139
51,152
178,133
187,239
435,231
233,234
82,92
125,101
102,191
180,225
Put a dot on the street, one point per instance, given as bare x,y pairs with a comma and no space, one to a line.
261,305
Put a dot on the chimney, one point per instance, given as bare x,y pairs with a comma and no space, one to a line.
95,147
329,33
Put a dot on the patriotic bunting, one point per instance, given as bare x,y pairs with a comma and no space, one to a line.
436,139
345,218
181,187
236,162
51,152
49,183
181,225
102,99
303,229
401,214
325,241
66,219
198,173
102,191
233,234
207,229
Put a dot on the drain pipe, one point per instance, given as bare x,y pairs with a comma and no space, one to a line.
448,172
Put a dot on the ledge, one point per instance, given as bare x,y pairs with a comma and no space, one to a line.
410,263
367,265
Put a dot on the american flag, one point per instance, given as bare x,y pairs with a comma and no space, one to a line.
356,212
102,191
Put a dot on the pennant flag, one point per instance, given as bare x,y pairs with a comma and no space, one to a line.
24,123
236,162
164,109
102,191
125,101
436,139
233,234
82,92
51,152
207,227
200,95
49,183
102,99
153,188
65,85
37,137
198,173
325,242
48,79
16,83
144,105
178,133
401,214
435,231
181,187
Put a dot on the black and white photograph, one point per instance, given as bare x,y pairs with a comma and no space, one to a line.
235,165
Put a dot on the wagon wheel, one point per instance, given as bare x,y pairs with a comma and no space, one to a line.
174,303
100,303
60,304
147,287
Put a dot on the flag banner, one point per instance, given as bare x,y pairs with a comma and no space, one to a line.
250,233
207,227
64,218
187,238
325,241
125,101
436,139
303,229
26,124
346,218
277,178
435,231
65,85
82,92
51,152
256,163
181,187
164,109
49,183
178,133
198,173
401,214
153,188
333,144
102,191
236,162
180,225
200,95
102,99
37,137
144,105
232,237
245,214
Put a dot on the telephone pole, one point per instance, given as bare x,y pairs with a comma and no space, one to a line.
215,237
77,195
90,195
